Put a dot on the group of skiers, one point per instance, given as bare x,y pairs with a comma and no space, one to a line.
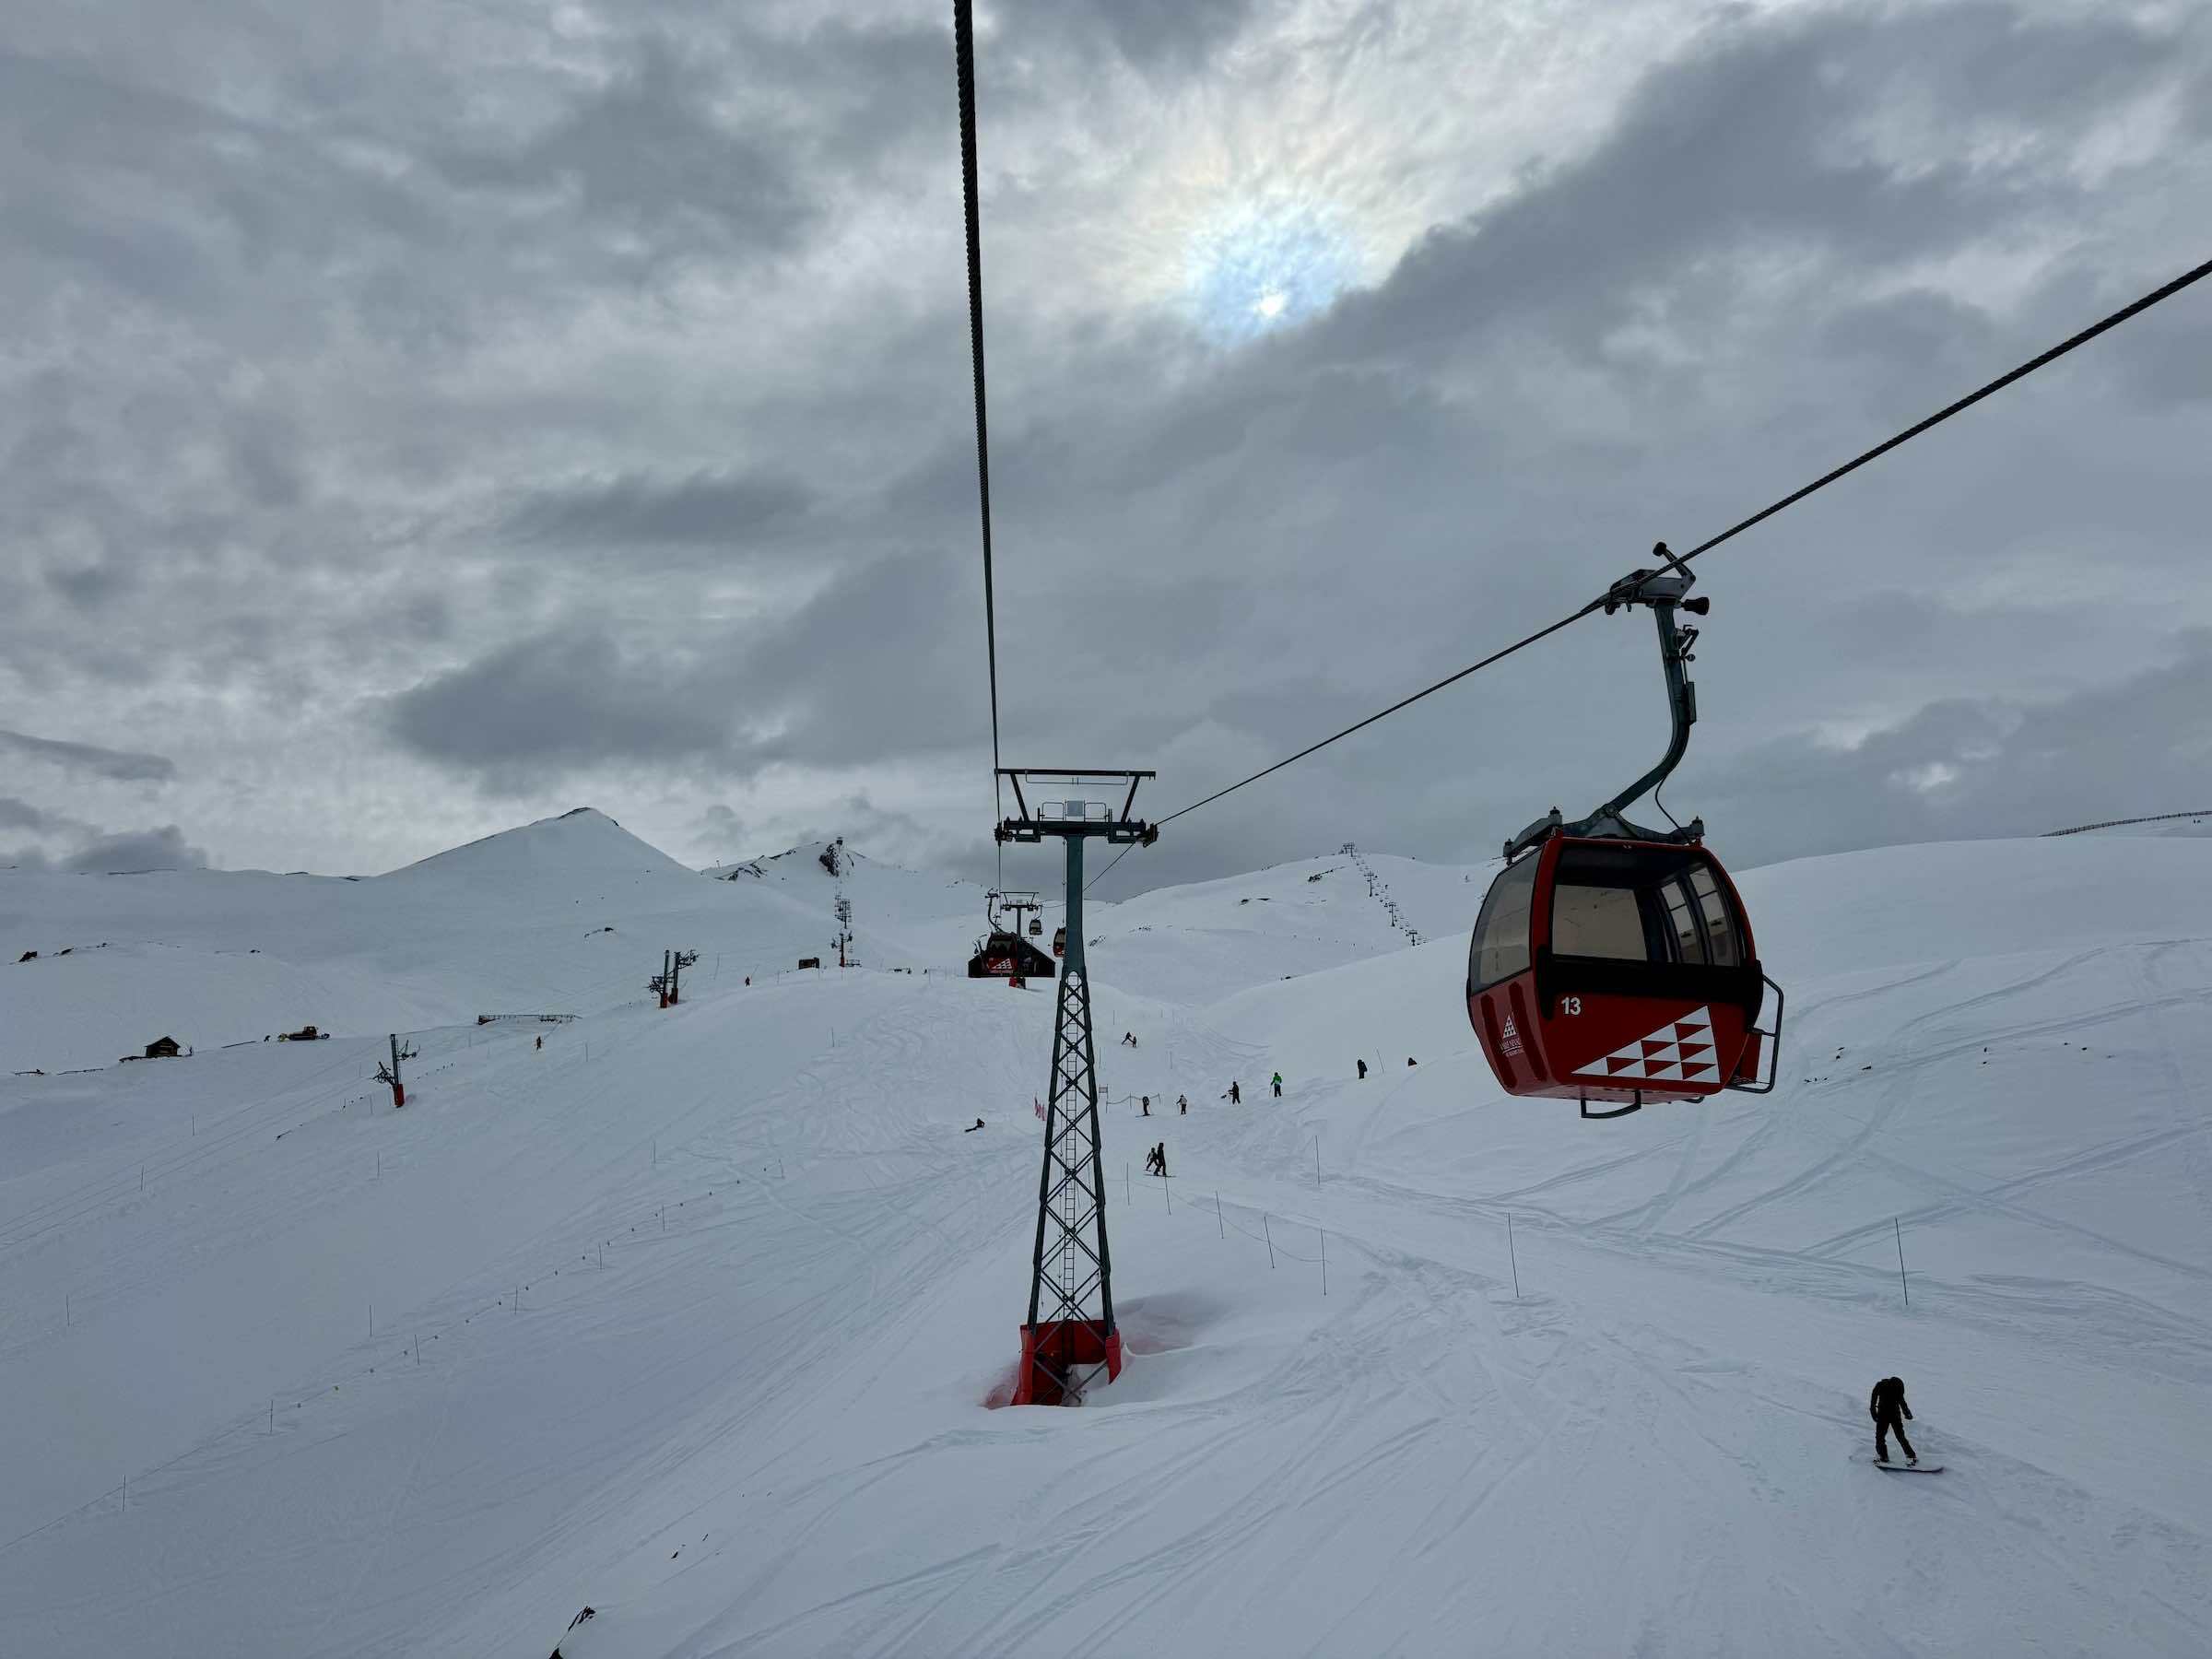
1156,1161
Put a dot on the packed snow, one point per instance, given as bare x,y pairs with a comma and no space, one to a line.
694,1316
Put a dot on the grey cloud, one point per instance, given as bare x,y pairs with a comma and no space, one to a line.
18,813
648,152
1754,140
556,699
879,663
135,850
709,509
89,759
1962,769
1152,35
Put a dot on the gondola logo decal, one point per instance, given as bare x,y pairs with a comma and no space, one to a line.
1681,1050
1510,1040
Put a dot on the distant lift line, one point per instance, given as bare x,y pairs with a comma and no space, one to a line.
1911,432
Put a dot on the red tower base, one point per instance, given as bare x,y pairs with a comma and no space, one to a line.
1062,1347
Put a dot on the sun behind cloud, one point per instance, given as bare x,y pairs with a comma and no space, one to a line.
1261,264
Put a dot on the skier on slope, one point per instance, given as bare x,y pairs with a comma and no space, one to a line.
1884,1405
1362,1071
1278,1086
973,1127
1233,1097
1182,1105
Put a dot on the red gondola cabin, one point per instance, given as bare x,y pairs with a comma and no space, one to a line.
1617,972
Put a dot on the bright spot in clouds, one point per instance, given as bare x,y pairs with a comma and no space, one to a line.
1263,263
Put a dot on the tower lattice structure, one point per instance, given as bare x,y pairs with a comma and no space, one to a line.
1070,1336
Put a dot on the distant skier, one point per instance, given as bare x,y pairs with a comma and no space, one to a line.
1233,1097
1159,1158
1278,1086
1362,1071
541,1042
1411,1061
1128,1039
1147,1102
973,1127
1886,1406
1182,1105
1152,1161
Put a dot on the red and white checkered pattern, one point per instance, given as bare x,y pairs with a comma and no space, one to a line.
1680,1050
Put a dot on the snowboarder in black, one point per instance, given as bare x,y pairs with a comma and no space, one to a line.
1147,1102
973,1127
1886,1406
1362,1071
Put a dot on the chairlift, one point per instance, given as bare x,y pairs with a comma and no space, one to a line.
1612,963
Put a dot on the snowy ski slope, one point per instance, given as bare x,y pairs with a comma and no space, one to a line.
766,1285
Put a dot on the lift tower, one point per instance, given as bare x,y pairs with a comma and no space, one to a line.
1070,1335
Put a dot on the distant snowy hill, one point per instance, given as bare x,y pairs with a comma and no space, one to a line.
692,1315
568,914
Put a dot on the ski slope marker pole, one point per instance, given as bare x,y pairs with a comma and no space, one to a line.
1325,1259
1217,1221
1512,1254
1898,1227
1269,1234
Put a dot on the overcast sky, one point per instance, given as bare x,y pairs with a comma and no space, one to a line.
420,418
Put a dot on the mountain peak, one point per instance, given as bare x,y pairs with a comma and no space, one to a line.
579,841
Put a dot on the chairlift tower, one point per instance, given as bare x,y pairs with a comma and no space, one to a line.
1070,1335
